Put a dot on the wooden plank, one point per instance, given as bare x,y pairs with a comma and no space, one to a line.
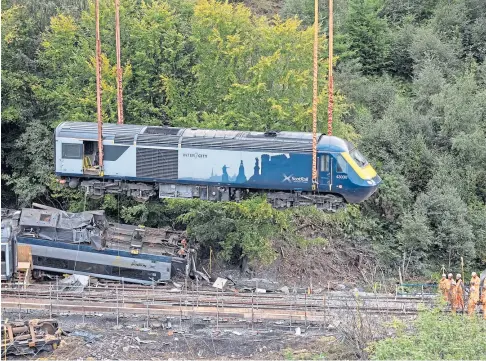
24,254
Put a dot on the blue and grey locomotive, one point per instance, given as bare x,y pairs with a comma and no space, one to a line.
218,165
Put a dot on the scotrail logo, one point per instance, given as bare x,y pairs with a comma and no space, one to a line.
292,179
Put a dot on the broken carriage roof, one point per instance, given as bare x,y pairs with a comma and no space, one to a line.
130,134
59,219
56,225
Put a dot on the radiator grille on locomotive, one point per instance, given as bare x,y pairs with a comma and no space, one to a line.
157,163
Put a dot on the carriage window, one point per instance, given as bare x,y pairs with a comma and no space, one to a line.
3,256
341,166
72,151
45,217
325,163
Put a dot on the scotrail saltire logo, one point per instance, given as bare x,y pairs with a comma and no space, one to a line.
292,179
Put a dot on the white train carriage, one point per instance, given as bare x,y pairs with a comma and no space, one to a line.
8,252
119,265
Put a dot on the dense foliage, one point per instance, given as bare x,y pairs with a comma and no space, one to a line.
435,336
410,90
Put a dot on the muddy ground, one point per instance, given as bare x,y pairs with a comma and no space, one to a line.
99,338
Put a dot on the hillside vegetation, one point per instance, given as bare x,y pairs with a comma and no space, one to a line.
410,91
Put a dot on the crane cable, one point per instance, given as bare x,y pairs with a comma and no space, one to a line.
314,98
98,87
119,73
330,78
315,87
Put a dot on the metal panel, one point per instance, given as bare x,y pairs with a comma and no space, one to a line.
124,165
126,139
89,130
162,130
247,145
157,163
158,140
177,191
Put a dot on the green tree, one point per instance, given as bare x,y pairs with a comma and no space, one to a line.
368,34
26,135
237,230
415,239
153,48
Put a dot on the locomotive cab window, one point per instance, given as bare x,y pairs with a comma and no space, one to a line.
341,165
324,163
72,151
358,158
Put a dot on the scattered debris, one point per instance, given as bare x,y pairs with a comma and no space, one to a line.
219,283
202,275
144,341
73,283
29,337
260,290
88,336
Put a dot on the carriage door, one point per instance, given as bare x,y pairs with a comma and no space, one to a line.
325,175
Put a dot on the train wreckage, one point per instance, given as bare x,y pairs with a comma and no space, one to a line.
44,240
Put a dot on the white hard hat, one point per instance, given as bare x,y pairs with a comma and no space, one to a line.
458,275
450,275
443,274
474,274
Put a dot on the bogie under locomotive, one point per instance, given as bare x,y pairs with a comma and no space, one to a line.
218,165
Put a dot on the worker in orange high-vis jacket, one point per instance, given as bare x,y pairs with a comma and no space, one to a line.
458,294
443,287
450,288
483,298
473,293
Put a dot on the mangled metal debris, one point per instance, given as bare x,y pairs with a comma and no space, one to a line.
30,337
73,283
56,225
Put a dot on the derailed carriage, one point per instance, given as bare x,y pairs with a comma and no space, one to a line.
217,165
86,244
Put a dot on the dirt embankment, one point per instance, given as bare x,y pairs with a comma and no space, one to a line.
335,265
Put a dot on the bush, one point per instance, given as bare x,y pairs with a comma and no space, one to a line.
435,335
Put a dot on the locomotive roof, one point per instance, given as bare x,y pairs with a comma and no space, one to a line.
128,134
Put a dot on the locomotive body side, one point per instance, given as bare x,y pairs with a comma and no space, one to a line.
211,164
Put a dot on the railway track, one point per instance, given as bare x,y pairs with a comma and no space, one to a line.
187,303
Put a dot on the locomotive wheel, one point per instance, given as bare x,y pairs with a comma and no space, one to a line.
48,328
